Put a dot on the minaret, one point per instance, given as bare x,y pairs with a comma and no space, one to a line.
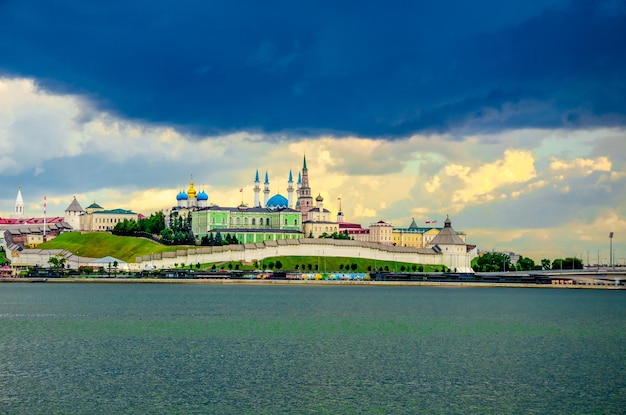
290,191
305,201
257,190
18,213
298,186
266,190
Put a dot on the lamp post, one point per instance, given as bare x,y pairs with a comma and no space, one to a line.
610,249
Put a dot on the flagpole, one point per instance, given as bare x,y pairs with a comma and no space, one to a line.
44,217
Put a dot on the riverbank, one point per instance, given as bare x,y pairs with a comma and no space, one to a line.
454,284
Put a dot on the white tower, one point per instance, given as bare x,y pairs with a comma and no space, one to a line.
290,191
257,190
266,190
18,213
340,213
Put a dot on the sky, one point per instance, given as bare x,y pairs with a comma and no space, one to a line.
510,117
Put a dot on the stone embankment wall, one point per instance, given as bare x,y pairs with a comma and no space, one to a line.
249,253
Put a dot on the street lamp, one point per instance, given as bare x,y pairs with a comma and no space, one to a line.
611,249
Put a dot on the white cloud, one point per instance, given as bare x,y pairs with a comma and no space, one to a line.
580,166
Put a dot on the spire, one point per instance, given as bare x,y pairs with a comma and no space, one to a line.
339,213
256,179
266,190
19,204
304,164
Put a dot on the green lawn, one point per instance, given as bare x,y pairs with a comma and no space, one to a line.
320,264
101,244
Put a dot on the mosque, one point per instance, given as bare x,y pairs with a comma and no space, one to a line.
277,217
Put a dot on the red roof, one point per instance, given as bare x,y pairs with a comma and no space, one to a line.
30,221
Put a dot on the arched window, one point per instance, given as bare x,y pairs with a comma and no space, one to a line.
285,221
267,222
253,221
295,221
238,221
245,221
261,222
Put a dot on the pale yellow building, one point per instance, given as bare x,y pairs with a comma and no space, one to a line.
96,218
381,232
319,221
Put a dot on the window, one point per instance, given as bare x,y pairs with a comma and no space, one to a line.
238,221
267,222
245,221
295,221
253,221
285,221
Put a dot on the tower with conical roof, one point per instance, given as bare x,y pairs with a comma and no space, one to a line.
290,191
18,212
73,214
266,189
257,190
452,247
305,200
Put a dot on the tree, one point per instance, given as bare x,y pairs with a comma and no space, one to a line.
567,264
525,264
493,262
279,265
353,267
57,262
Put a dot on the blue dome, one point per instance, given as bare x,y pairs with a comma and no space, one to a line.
182,196
202,195
277,201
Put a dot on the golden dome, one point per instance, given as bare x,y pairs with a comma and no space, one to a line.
191,192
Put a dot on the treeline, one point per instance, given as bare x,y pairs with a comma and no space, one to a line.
334,235
218,240
496,262
153,225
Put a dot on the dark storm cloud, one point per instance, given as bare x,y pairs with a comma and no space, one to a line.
360,68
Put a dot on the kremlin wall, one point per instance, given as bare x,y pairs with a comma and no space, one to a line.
296,225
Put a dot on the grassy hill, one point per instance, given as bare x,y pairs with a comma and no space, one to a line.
100,244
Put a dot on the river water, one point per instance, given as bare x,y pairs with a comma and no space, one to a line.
260,349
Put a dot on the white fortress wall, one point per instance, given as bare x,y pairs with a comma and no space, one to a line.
259,251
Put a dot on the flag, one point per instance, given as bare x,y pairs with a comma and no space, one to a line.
427,222
240,190
434,221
